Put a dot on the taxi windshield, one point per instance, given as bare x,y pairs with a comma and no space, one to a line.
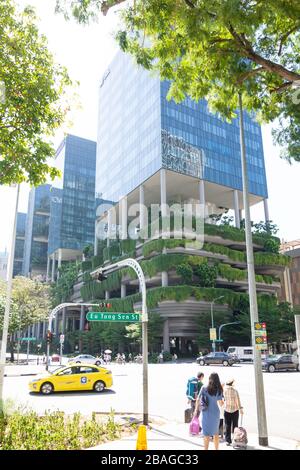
56,370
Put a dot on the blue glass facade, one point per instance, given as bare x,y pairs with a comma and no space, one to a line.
72,212
19,244
37,231
220,141
133,115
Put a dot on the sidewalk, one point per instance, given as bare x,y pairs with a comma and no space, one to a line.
176,437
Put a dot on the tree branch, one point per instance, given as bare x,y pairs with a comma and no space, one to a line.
281,87
106,5
189,3
268,65
285,36
248,74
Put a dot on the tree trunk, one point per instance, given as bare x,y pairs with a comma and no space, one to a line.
11,349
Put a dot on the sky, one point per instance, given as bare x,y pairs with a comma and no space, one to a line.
86,51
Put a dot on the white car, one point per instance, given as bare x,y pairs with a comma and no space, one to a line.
86,358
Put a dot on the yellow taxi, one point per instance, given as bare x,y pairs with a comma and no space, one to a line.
73,377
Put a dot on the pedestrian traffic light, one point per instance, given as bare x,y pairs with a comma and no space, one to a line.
105,305
49,337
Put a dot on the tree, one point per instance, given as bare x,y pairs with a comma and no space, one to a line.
33,102
30,304
214,49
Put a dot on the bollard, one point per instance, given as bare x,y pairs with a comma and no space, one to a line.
141,443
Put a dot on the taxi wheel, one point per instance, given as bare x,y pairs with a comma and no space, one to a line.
99,386
47,388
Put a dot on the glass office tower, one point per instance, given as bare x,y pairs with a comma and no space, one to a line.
37,231
72,211
140,132
19,244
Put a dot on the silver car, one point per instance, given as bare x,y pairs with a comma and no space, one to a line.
86,358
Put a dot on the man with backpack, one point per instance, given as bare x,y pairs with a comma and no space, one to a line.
193,388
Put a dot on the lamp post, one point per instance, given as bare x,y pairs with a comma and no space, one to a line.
8,300
259,385
212,318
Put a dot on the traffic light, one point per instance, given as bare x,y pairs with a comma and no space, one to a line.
49,337
105,305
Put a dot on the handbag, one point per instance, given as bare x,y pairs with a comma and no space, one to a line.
195,426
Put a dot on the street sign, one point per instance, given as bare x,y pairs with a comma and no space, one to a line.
61,339
113,316
212,334
261,341
28,339
218,341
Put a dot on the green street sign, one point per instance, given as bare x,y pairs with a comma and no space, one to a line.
218,341
113,316
28,339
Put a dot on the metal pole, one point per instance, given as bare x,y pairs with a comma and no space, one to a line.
226,324
297,325
28,350
212,324
8,300
259,385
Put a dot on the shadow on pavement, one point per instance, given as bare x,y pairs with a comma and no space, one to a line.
75,392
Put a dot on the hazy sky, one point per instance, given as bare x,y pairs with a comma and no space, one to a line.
86,52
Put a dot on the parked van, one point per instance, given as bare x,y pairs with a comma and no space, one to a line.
243,353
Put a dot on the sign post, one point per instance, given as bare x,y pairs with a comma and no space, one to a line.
61,345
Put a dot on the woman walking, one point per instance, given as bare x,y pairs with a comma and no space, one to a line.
210,398
232,409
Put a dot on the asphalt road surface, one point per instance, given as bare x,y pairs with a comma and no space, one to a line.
167,387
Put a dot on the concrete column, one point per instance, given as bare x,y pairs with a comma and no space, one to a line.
202,195
38,332
59,262
48,268
241,215
53,268
107,295
95,240
287,286
64,314
109,217
73,322
124,218
266,209
34,330
45,325
164,279
143,212
163,192
82,317
236,209
166,336
123,291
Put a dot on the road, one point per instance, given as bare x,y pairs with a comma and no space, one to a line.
167,386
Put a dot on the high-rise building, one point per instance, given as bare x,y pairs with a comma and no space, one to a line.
19,244
72,207
291,276
153,151
142,135
37,232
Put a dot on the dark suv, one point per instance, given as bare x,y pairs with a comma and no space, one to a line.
281,362
216,358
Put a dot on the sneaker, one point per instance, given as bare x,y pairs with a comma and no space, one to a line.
228,443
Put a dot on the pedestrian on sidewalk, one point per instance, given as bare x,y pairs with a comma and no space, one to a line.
210,398
193,387
232,409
